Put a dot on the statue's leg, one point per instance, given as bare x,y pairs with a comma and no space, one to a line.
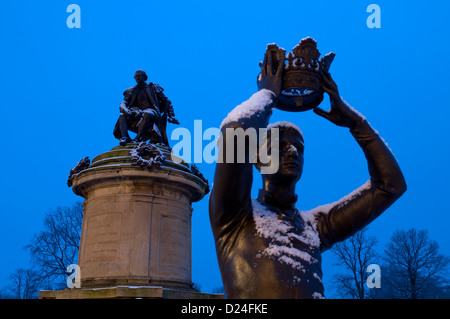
123,130
148,119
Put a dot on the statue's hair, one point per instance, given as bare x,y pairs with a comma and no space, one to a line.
143,73
286,126
283,127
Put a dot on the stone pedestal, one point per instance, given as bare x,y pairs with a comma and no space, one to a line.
136,225
126,292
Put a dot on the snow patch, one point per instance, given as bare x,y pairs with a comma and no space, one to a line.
292,150
317,277
257,103
285,124
281,235
353,109
311,215
318,295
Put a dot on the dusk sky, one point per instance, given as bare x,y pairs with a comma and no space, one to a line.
61,88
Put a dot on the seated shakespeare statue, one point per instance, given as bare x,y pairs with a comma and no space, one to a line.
266,247
145,111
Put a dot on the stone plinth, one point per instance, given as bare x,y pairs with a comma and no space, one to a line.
137,222
126,292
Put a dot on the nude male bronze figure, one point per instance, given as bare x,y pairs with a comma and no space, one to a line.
266,247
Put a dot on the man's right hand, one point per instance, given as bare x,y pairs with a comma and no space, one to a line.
269,78
127,112
133,112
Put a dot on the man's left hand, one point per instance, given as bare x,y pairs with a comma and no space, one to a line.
173,120
340,113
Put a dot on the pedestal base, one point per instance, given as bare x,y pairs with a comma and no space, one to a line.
137,223
126,292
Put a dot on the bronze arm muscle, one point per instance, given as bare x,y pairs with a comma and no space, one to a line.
386,184
230,195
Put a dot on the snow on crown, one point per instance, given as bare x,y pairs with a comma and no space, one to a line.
303,68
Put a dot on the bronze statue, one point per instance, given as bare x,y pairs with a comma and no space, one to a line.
145,111
266,247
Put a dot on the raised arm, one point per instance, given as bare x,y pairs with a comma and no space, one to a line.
230,195
352,213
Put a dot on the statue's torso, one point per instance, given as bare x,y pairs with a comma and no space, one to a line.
270,256
143,97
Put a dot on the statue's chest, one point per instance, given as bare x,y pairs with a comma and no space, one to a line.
142,98
288,240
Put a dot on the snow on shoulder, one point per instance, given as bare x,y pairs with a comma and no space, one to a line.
257,103
311,215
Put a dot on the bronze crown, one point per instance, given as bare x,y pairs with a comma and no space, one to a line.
301,85
303,69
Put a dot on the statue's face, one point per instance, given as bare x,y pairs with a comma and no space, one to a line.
290,160
291,156
139,77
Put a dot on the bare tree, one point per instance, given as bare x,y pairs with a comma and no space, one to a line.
24,284
56,247
354,255
413,264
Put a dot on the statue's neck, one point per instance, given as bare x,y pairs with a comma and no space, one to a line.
281,198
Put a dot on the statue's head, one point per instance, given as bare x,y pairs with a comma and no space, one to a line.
291,146
140,76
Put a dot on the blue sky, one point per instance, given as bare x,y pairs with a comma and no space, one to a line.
61,88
